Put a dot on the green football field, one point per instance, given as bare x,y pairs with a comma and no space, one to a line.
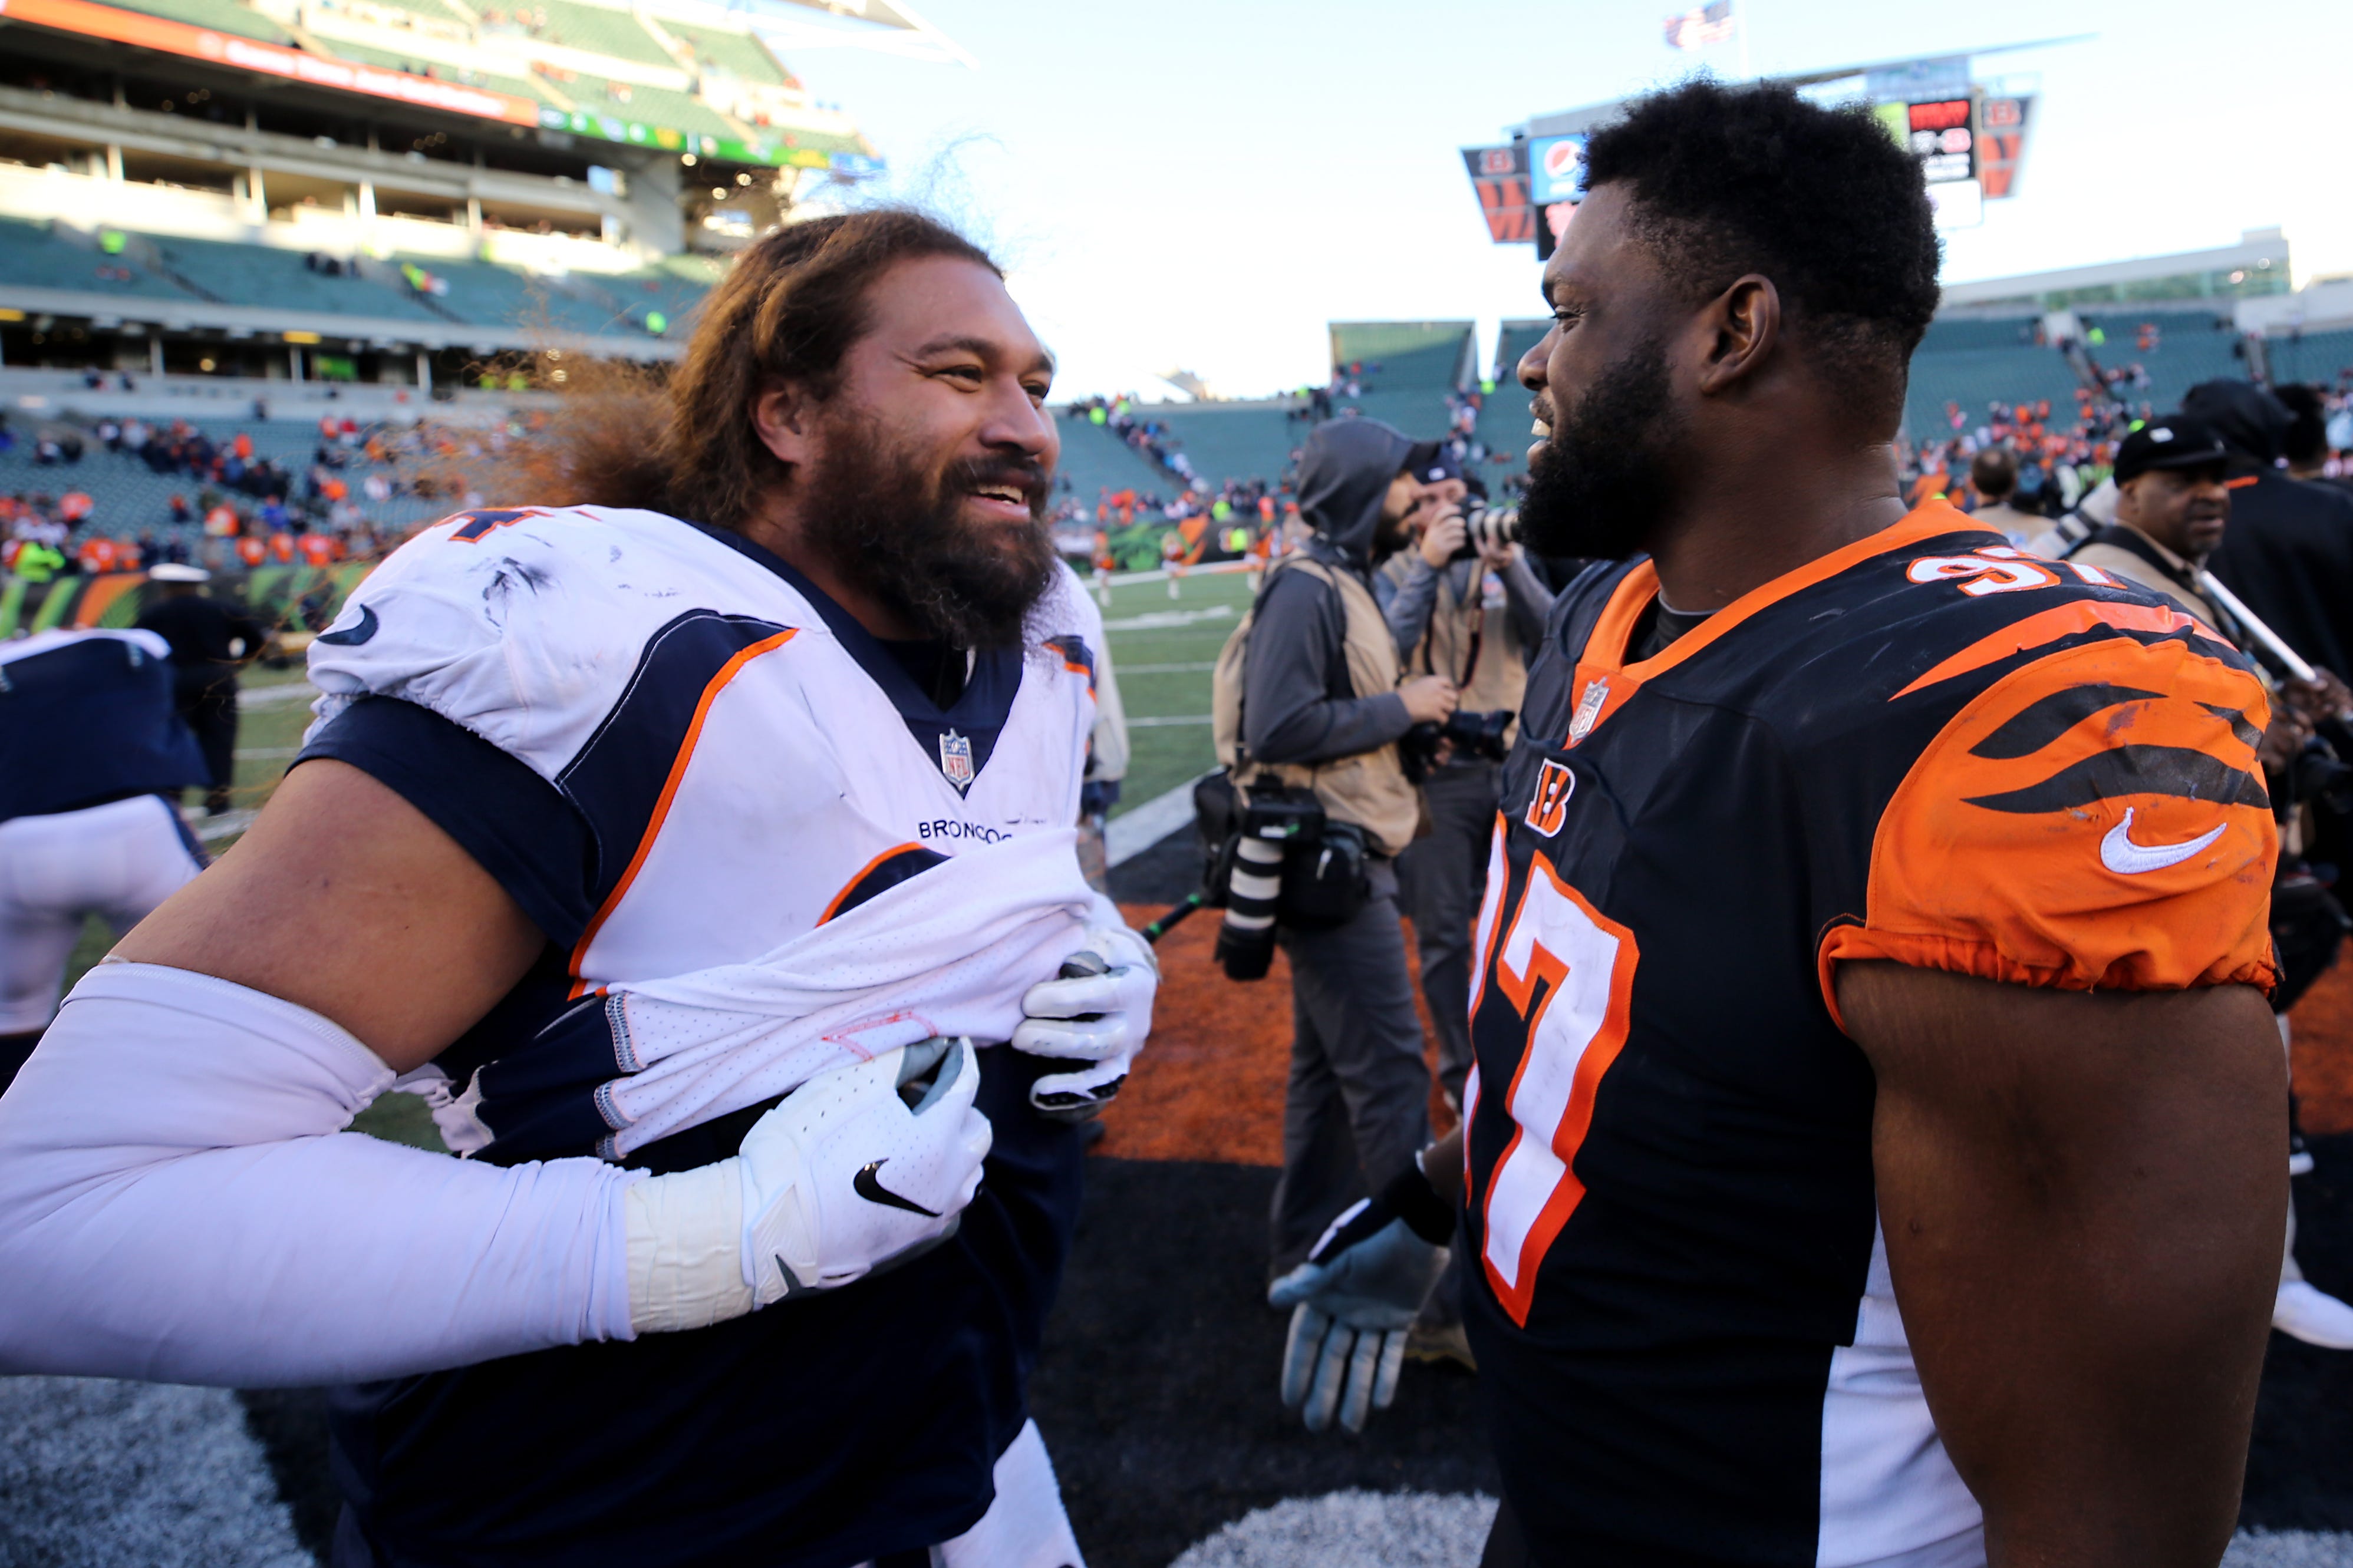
1160,650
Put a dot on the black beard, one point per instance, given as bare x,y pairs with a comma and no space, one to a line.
1602,484
897,532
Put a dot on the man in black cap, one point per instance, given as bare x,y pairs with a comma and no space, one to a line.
209,643
2171,506
2289,553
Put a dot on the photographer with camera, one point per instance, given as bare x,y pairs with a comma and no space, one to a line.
1464,604
1309,711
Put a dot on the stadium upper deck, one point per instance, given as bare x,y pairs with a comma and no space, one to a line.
383,190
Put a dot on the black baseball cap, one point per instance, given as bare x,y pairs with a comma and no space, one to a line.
1431,461
2168,441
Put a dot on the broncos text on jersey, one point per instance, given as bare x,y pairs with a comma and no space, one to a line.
1923,747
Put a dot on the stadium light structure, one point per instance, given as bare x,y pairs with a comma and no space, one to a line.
892,28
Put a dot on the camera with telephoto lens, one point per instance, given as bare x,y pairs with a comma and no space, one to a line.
1487,528
1272,823
1479,735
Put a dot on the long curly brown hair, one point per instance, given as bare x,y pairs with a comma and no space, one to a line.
682,443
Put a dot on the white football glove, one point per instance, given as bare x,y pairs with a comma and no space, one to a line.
843,1178
1098,1012
1353,1303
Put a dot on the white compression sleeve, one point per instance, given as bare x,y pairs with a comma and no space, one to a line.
179,1202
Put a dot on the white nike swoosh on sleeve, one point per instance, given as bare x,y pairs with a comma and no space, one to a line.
2120,854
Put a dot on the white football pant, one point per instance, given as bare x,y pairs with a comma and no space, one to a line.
116,861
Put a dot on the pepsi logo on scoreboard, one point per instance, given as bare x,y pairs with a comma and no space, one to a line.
1556,169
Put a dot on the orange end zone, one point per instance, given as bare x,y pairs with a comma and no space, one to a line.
1210,1084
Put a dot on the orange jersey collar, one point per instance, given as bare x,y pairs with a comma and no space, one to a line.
1603,659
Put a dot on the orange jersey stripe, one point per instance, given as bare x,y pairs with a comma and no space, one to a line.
711,690
2048,626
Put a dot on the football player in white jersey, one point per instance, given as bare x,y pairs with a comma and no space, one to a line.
679,845
92,753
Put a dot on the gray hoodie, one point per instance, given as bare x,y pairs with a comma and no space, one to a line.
1298,705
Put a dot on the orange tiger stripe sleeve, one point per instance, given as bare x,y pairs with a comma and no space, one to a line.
2095,819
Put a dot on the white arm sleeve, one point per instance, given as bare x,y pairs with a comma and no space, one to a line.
179,1202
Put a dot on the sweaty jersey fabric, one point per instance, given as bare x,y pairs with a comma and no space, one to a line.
1922,747
675,753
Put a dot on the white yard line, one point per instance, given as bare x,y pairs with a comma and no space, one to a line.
276,695
1134,831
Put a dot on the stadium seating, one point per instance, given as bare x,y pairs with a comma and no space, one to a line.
1975,377
600,31
489,295
2314,356
1093,460
33,254
521,87
670,292
259,275
737,53
2192,346
221,16
1233,440
1403,354
1512,344
430,10
128,499
648,105
1947,334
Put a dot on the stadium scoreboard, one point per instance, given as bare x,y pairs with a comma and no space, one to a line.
1969,139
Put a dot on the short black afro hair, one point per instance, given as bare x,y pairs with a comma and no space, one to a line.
1731,180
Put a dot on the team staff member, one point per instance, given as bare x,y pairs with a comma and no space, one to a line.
2289,553
92,755
1322,708
679,856
210,642
1877,1105
2173,507
1472,621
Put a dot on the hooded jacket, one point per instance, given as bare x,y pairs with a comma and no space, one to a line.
1298,705
2288,551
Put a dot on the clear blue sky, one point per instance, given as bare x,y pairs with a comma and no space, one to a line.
1206,184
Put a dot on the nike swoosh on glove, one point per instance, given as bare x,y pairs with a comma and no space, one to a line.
842,1178
1098,1013
1353,1303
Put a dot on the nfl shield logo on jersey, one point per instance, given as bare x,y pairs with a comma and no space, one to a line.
956,758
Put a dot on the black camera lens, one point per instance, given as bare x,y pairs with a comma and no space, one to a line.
1246,938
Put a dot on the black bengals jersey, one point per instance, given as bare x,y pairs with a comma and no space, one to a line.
1923,747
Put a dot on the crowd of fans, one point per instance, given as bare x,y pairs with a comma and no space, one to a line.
2057,461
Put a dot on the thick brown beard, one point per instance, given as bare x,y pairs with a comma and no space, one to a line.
893,530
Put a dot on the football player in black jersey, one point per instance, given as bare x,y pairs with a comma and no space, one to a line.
1872,1151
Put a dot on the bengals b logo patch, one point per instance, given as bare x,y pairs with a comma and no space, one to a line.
1549,806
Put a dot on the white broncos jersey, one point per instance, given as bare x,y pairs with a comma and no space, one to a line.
749,762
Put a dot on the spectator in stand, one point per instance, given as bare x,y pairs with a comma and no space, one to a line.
1993,474
209,643
2289,552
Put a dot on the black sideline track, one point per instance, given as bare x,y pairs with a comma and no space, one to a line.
1157,1390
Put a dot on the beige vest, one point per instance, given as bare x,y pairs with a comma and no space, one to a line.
1369,789
1500,676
